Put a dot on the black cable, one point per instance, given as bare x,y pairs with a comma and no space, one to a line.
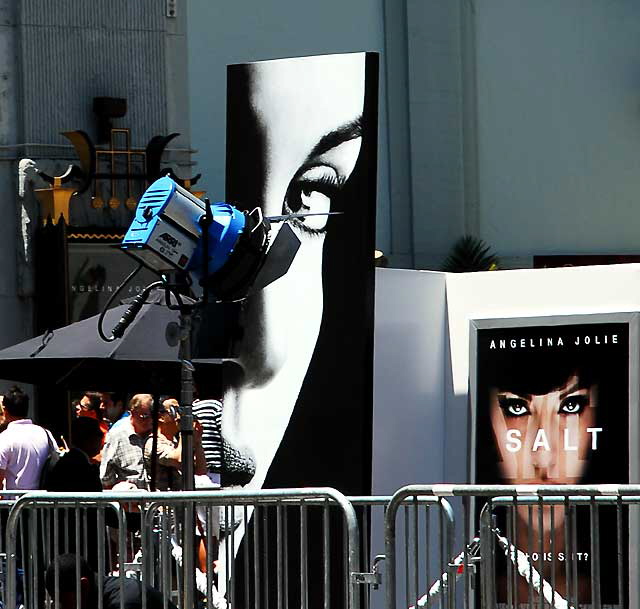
129,315
172,289
134,308
111,299
167,295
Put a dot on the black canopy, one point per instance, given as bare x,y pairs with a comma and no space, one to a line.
75,357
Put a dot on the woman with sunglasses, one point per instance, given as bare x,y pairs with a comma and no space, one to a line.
169,449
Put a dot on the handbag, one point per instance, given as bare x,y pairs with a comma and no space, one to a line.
50,462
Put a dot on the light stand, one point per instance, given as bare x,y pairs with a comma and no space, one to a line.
186,434
186,421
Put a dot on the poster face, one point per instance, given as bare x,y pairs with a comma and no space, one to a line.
552,407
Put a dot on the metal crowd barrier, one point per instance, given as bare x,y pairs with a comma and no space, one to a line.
320,524
428,534
371,512
148,544
445,547
514,547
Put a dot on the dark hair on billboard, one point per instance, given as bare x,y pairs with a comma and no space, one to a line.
208,383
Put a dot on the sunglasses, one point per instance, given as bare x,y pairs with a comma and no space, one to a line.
142,416
172,410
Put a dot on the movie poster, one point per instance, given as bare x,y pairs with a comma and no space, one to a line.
551,406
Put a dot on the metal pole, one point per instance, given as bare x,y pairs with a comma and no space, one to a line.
488,567
186,398
186,431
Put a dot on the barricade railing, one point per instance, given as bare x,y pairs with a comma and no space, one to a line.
295,541
574,549
370,511
428,545
537,547
445,546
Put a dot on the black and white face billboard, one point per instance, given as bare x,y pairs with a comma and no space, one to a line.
302,138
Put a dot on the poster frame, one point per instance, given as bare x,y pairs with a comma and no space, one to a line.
632,319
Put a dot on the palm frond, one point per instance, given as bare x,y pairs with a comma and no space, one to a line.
470,254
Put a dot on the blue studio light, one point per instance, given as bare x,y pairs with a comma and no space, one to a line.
166,234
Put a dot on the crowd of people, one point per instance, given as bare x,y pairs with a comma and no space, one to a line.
111,447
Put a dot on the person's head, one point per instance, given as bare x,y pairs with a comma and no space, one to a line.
86,435
16,404
112,405
141,406
89,405
168,419
301,120
207,384
67,580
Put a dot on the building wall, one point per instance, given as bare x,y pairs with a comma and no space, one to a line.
559,126
513,120
54,59
73,51
441,107
524,126
15,319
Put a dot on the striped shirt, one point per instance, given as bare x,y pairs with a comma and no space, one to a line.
209,414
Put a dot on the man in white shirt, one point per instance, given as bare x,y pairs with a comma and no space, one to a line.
24,447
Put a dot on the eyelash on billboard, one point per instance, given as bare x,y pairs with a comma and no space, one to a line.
505,403
328,185
582,401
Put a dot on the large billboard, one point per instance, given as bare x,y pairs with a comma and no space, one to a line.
302,139
551,404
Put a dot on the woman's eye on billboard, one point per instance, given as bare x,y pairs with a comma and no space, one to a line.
513,407
323,175
311,193
574,404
